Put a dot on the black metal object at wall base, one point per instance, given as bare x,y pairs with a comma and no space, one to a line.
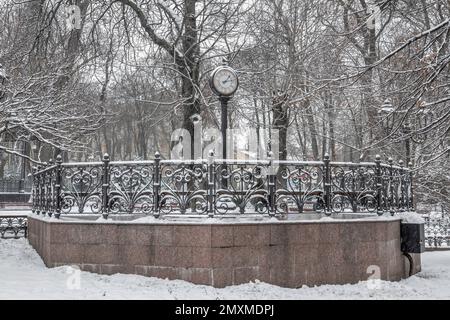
412,237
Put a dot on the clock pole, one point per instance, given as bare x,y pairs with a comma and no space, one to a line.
224,126
224,83
224,123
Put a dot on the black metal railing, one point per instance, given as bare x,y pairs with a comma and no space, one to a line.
437,231
14,185
216,187
13,226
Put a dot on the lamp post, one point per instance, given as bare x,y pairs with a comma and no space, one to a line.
390,115
386,113
24,169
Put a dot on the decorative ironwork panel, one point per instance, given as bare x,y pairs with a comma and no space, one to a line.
396,184
81,188
130,188
35,195
44,191
385,188
437,230
51,191
13,226
220,187
183,187
299,185
353,188
404,191
241,188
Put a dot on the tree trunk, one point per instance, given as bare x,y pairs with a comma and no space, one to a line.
189,67
312,129
281,122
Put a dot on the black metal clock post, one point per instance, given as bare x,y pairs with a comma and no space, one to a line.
224,123
224,83
224,126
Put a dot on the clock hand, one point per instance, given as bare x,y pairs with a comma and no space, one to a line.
227,80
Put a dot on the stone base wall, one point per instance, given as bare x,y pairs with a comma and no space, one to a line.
288,254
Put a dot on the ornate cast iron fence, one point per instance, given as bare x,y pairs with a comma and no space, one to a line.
216,187
437,230
14,185
13,226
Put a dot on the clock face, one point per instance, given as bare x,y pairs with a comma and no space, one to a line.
225,81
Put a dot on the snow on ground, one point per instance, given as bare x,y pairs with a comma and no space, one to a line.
12,212
24,276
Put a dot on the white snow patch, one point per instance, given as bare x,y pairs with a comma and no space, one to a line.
24,276
197,219
410,217
14,213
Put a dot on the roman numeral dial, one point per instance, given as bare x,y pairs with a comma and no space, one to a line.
224,81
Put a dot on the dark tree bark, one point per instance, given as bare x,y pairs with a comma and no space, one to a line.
281,121
187,61
189,68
